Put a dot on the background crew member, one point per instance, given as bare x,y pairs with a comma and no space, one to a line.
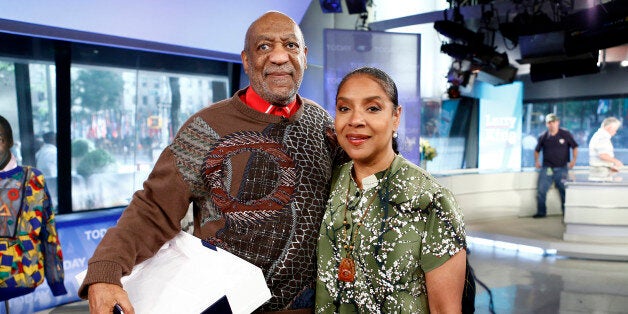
555,144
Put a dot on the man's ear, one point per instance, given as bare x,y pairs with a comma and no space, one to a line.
245,61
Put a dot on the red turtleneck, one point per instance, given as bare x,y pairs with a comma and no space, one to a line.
253,100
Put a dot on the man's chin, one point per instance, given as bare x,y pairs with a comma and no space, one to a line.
282,97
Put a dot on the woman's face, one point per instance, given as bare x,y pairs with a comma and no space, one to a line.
4,143
365,121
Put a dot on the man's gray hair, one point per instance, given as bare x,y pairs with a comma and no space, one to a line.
611,120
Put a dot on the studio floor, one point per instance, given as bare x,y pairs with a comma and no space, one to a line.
521,279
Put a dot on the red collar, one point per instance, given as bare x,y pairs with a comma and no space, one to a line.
253,100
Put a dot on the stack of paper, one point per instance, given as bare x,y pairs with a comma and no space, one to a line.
187,277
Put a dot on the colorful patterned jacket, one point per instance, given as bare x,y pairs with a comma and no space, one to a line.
29,245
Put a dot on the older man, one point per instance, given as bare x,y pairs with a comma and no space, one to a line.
256,168
601,152
555,144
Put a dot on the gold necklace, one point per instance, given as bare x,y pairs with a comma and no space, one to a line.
346,268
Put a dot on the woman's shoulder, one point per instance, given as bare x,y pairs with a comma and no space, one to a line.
405,170
411,185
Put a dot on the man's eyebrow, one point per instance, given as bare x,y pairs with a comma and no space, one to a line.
289,36
264,37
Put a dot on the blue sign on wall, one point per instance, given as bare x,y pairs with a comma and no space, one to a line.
500,126
398,55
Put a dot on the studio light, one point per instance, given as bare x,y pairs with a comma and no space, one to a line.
356,6
456,51
331,6
481,55
497,60
505,75
466,45
599,27
567,67
457,32
525,24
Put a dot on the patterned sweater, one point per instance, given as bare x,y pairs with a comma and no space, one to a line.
29,245
258,184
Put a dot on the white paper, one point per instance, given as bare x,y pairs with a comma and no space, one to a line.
187,277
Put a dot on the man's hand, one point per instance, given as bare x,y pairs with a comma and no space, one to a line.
572,164
104,296
537,164
617,165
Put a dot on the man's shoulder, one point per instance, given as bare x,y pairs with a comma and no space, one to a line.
213,109
314,112
311,104
564,131
543,135
566,134
597,135
219,105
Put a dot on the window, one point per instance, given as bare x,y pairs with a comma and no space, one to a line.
117,141
448,126
581,117
8,103
34,140
115,111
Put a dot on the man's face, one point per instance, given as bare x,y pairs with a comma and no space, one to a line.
553,126
612,129
274,58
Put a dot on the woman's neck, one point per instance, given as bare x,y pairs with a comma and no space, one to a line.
363,170
4,160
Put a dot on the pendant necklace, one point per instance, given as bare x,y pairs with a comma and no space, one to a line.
346,269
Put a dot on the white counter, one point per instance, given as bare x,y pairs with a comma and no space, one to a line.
499,207
486,195
597,210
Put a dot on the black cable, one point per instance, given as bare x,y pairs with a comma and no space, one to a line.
471,274
491,306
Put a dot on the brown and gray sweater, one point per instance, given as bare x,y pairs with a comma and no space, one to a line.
258,184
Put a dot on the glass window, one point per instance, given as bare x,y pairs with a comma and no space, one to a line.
43,88
44,107
581,117
8,104
35,148
443,128
119,130
109,111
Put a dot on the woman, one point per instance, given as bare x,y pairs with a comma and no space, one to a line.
392,239
29,246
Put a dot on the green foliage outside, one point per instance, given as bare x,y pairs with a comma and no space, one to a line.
95,161
80,147
96,90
